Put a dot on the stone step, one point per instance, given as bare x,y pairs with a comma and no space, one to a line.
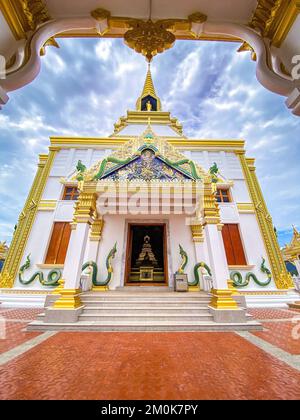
136,303
142,326
145,317
144,297
166,310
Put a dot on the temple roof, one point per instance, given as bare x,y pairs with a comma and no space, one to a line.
148,86
169,162
292,250
148,108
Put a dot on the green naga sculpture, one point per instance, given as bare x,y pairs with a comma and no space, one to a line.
184,260
81,168
105,161
237,277
196,273
109,268
183,264
52,279
214,170
178,163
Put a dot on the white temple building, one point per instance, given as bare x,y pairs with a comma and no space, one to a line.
136,211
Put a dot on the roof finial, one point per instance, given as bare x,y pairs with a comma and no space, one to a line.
149,90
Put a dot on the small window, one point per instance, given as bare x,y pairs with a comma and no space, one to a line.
70,193
223,195
59,242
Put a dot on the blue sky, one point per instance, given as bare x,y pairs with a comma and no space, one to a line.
87,84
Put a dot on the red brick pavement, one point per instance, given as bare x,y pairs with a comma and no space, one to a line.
148,366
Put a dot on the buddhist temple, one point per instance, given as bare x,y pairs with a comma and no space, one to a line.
135,210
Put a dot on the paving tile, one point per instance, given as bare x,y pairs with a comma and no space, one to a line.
148,366
21,314
270,313
14,335
285,335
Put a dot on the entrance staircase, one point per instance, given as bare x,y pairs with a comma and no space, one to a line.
144,309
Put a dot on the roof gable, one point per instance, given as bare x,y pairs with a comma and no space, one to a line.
165,158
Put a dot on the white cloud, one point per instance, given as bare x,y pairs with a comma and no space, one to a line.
103,49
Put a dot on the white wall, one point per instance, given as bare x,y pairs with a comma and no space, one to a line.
37,246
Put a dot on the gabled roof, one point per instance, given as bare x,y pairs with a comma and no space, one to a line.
165,155
293,249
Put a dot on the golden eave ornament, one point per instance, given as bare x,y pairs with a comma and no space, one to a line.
149,38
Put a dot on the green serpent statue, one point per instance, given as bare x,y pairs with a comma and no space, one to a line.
237,278
105,161
214,170
184,261
52,278
196,273
109,268
182,162
81,168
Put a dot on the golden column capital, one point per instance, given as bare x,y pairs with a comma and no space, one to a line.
197,232
96,230
211,211
85,208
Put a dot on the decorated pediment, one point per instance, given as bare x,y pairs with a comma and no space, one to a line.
147,157
147,166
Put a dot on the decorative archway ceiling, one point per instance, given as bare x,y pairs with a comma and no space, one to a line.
269,29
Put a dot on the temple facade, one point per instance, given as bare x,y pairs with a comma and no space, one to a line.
139,207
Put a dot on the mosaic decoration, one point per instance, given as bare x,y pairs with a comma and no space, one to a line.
146,167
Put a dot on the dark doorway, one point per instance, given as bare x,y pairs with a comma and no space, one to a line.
146,255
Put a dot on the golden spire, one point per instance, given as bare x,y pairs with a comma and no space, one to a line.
148,90
148,86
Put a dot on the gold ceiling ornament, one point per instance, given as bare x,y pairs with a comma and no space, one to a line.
100,14
150,38
196,20
36,12
273,19
51,42
102,17
246,47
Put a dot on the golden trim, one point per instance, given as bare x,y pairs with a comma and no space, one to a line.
85,208
241,267
222,299
24,16
211,210
260,293
47,205
50,266
245,208
281,277
197,233
274,19
24,292
69,142
96,230
69,299
25,223
13,16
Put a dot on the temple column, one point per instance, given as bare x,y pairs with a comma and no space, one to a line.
69,306
94,240
200,251
222,306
